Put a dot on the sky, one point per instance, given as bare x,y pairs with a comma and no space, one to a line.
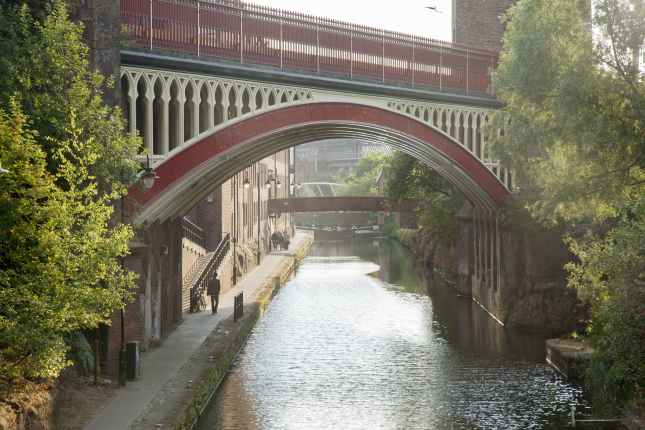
405,16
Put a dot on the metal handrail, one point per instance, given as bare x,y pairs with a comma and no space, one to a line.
249,33
192,231
206,276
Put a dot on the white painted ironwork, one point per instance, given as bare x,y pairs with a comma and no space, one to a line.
180,108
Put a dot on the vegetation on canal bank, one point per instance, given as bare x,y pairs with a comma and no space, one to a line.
575,118
68,160
362,179
439,203
408,178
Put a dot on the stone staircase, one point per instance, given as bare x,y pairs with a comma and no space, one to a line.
196,270
202,272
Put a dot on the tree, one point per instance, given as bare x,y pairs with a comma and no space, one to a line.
59,260
69,160
45,69
609,276
408,178
574,121
361,180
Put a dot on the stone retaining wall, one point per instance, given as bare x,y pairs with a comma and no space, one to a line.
532,292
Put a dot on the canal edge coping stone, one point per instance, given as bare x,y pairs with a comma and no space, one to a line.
215,374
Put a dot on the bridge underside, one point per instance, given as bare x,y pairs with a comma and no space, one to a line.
336,204
193,170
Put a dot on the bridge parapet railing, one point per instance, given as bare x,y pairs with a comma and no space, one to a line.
253,34
192,231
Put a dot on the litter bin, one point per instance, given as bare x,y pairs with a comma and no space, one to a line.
133,360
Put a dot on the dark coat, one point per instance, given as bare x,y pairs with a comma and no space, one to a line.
213,287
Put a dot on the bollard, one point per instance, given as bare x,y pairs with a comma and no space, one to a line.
573,416
238,306
123,366
133,360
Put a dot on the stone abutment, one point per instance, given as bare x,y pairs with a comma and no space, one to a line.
529,289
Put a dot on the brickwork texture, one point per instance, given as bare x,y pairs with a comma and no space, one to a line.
478,23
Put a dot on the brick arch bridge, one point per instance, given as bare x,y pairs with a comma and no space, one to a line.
213,87
189,172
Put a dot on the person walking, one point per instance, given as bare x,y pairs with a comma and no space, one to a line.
213,291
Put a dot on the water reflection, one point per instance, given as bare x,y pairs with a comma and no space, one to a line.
342,349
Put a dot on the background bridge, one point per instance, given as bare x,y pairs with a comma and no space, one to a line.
336,204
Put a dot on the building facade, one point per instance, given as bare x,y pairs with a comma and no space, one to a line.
170,256
245,215
478,23
325,161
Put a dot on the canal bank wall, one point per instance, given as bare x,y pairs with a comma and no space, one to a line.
532,291
183,399
436,262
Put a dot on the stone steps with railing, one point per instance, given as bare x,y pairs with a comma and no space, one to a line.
202,273
196,270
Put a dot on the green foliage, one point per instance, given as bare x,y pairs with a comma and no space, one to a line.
408,178
568,108
361,181
45,68
59,267
69,160
609,276
80,353
391,228
406,236
574,122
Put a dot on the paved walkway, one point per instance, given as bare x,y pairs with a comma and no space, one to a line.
161,363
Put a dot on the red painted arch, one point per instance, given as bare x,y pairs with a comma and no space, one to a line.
176,167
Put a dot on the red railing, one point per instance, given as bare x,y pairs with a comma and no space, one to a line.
252,34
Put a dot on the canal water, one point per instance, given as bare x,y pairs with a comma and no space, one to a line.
357,340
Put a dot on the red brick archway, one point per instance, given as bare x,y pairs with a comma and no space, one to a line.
189,170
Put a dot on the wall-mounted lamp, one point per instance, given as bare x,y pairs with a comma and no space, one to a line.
247,183
148,175
163,250
279,184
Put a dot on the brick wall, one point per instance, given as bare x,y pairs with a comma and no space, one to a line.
168,256
102,20
477,23
241,219
133,321
208,215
